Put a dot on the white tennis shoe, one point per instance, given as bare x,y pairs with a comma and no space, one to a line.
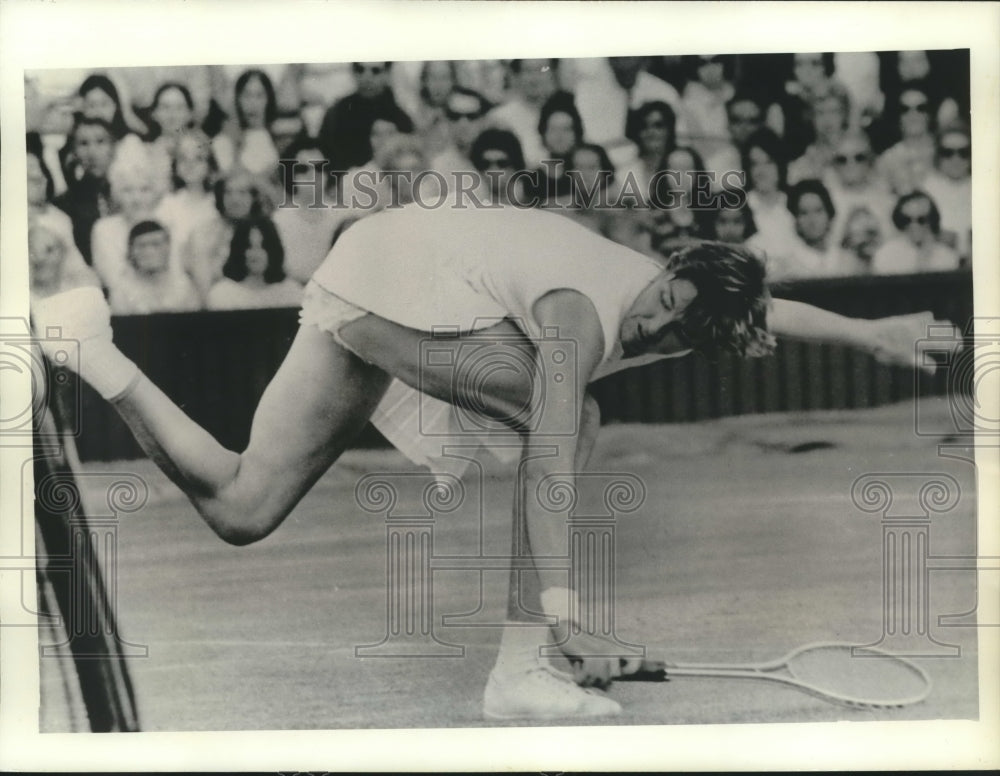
541,692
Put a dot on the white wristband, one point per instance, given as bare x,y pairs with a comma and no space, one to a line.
560,602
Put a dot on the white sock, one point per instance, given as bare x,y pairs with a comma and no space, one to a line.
519,647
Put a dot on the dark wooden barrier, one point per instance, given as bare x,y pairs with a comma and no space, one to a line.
215,365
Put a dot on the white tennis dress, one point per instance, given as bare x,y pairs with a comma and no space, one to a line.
464,270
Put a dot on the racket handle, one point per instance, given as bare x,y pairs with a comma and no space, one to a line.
649,671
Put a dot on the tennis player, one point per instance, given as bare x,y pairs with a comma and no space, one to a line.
506,281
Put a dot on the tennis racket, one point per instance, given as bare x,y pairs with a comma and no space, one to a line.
860,677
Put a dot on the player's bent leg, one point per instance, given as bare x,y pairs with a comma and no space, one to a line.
320,398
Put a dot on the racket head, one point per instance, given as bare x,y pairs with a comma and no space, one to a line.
857,676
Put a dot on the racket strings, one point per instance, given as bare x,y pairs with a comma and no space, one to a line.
859,674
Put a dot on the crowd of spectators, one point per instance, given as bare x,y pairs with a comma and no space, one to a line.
220,187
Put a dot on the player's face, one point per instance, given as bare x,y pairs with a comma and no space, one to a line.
649,325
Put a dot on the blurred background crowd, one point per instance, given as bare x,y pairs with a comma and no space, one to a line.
185,188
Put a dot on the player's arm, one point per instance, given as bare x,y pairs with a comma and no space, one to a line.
891,340
574,418
552,433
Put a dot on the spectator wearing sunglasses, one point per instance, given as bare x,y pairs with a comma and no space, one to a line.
906,164
949,184
464,110
853,183
344,135
916,247
497,156
744,117
534,82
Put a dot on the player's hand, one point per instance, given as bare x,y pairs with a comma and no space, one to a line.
596,661
896,341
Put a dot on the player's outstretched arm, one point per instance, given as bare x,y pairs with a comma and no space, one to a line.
893,340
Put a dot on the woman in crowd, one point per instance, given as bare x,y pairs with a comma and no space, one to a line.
237,198
862,237
137,187
764,163
653,129
854,183
812,76
364,188
254,272
190,203
916,246
811,251
561,130
733,225
171,113
950,186
829,114
148,284
249,143
99,100
306,232
497,155
594,199
437,79
704,102
906,165
687,175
